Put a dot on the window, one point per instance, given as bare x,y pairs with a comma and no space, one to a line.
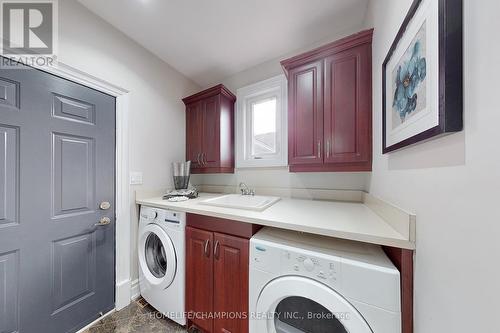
261,135
263,117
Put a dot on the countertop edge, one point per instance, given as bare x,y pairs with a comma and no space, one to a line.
366,238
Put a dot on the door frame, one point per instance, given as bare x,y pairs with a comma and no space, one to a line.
123,284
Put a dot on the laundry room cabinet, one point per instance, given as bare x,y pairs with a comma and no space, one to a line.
217,252
199,278
210,130
330,108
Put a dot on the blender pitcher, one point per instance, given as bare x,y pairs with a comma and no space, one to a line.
182,171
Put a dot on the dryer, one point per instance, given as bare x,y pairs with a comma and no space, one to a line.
301,283
161,251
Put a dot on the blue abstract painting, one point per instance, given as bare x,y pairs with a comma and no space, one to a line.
409,81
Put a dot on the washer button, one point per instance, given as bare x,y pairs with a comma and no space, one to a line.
308,265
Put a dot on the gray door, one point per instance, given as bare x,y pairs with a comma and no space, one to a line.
57,153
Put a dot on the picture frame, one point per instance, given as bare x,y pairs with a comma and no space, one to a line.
422,75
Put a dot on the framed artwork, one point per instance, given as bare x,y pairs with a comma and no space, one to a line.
422,75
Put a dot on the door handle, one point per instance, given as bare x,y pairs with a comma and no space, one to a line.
319,148
327,148
216,250
207,243
103,221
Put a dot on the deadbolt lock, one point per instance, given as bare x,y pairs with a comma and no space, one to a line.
105,205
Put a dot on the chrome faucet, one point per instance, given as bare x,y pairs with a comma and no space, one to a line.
245,190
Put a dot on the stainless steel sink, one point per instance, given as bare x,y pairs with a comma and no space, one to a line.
248,202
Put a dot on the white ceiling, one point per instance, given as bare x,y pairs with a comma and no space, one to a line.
208,40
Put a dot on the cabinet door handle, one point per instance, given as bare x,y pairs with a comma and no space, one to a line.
319,148
216,250
203,159
327,148
207,243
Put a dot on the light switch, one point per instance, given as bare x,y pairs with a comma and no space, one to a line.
135,178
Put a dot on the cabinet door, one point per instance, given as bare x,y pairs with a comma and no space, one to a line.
231,283
305,137
348,107
194,122
199,277
211,131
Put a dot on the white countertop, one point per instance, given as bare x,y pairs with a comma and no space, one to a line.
347,220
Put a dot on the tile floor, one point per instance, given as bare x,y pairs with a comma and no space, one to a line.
138,317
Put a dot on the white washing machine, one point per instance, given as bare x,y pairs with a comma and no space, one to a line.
302,283
161,248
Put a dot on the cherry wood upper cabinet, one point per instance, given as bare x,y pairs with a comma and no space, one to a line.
348,108
194,122
210,130
330,106
305,114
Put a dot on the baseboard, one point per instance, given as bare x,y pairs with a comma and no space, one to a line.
123,294
135,293
96,321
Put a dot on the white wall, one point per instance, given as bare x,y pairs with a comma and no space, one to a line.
450,183
157,120
280,177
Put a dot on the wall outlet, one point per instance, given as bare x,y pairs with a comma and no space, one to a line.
136,178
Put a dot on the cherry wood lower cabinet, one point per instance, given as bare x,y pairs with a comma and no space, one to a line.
231,283
199,278
403,260
217,274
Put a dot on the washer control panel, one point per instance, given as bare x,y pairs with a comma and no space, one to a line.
149,214
174,220
167,218
325,270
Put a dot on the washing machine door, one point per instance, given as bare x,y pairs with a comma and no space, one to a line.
294,304
157,258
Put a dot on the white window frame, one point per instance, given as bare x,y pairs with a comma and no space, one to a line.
274,87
